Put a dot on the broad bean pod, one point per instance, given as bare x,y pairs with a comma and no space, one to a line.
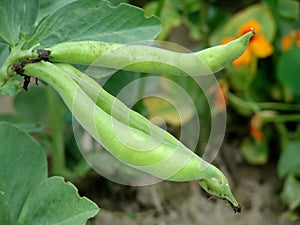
113,106
149,59
166,158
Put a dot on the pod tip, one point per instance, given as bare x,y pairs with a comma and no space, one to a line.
236,209
252,30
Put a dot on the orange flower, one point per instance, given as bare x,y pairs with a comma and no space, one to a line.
259,47
255,125
293,37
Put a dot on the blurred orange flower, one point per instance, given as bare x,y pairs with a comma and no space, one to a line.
293,37
259,47
255,125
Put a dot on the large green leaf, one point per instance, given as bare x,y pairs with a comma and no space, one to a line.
289,161
290,194
32,105
12,87
255,152
95,20
4,51
26,195
47,7
170,18
59,204
259,12
171,103
29,11
16,17
288,69
23,166
289,9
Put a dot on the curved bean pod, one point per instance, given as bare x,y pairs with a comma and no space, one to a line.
114,106
173,162
149,59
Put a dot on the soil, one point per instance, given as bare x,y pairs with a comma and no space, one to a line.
257,189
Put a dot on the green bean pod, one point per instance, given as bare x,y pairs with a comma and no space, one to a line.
114,106
149,59
161,157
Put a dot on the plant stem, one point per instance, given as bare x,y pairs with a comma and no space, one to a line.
258,106
283,134
203,23
278,106
159,7
56,109
15,55
282,118
251,75
241,103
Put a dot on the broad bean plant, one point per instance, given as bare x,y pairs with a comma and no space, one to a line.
148,148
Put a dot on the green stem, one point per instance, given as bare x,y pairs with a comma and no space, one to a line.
242,104
203,23
282,118
283,134
56,109
278,106
258,106
159,7
251,75
139,107
16,54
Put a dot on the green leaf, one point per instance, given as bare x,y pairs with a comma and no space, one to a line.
29,15
259,12
172,103
26,195
4,51
22,123
255,151
288,69
289,9
169,17
23,166
11,118
95,20
291,193
159,108
16,17
289,161
32,104
54,201
47,7
11,87
118,81
8,19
